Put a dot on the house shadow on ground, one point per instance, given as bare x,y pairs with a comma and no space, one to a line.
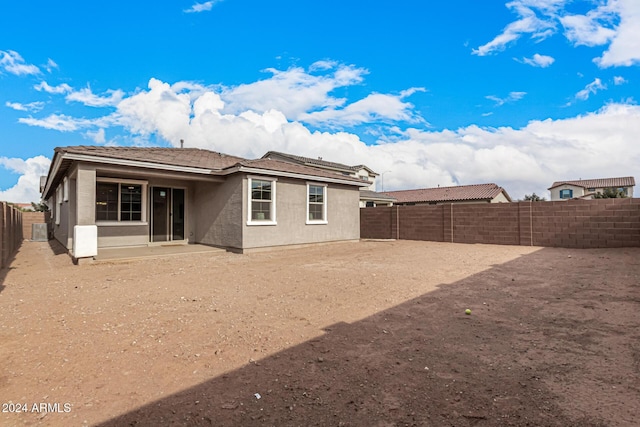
7,267
57,248
542,347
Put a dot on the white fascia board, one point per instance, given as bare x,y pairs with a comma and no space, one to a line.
299,176
52,173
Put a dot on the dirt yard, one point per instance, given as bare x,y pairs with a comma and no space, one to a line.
350,334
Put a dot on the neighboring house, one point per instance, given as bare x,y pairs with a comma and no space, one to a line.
25,207
479,193
125,196
361,172
587,188
371,199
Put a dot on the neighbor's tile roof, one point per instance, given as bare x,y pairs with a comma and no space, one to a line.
626,181
188,157
448,194
317,162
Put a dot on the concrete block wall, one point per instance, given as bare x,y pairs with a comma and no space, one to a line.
571,224
30,218
604,223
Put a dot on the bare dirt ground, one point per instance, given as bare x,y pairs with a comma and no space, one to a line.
352,334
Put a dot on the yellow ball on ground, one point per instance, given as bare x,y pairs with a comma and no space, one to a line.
467,311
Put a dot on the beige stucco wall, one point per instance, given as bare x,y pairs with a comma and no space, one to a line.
371,178
218,213
500,198
343,217
577,191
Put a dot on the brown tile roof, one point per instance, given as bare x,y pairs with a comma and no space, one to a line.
626,181
448,194
310,161
188,157
282,166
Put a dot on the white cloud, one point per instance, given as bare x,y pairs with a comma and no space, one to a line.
295,91
32,106
27,189
591,88
51,65
13,63
63,123
513,96
615,23
202,7
374,108
60,89
619,80
528,23
542,61
526,160
624,49
592,29
97,136
88,98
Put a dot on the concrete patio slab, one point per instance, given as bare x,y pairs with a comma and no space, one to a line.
140,252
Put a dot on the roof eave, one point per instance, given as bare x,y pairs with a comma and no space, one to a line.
269,172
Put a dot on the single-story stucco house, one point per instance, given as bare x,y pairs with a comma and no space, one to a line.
104,197
477,193
588,188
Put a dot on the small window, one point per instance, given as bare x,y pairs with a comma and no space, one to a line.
65,189
591,189
262,196
316,204
566,194
58,203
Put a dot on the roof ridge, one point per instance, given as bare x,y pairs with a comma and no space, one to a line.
447,187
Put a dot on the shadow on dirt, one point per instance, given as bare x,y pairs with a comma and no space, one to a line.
532,353
57,248
7,266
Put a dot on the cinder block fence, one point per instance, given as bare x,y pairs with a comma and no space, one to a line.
604,223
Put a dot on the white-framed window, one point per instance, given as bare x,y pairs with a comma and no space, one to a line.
119,201
58,204
261,206
65,189
316,203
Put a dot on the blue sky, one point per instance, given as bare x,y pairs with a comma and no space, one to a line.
520,93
